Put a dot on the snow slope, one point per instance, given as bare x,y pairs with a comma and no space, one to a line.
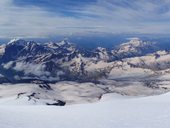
112,111
40,94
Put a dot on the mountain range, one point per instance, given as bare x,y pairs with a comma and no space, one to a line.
26,61
62,73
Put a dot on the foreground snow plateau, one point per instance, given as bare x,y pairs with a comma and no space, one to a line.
66,93
112,111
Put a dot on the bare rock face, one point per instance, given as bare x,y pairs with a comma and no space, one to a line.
26,61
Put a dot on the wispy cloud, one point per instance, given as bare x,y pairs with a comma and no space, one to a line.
113,16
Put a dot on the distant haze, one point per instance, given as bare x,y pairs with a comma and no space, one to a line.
106,40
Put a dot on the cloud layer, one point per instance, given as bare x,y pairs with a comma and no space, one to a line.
45,18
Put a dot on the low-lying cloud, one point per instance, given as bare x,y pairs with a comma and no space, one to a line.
32,70
29,68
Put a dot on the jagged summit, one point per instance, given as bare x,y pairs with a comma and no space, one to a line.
102,53
64,42
56,61
2,49
17,41
134,42
134,47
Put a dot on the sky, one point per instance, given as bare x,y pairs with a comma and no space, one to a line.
43,18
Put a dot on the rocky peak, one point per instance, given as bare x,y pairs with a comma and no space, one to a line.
17,41
134,47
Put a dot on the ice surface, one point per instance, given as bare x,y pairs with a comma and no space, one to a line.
113,111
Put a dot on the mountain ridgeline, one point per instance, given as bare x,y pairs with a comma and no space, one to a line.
27,61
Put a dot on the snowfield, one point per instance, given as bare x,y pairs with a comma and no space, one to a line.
113,111
127,86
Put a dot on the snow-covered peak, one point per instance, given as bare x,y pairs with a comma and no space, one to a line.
64,43
101,49
134,45
134,42
2,49
162,52
17,41
13,40
102,53
52,45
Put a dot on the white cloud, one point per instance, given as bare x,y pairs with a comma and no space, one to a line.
35,22
145,16
30,68
35,69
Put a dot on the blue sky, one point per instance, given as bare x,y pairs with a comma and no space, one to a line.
43,18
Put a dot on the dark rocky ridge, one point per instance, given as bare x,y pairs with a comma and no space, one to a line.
26,61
